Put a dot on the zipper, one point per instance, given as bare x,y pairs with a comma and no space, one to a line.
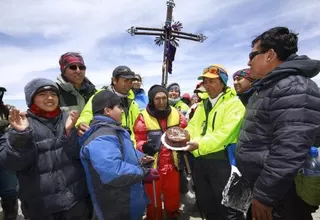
213,120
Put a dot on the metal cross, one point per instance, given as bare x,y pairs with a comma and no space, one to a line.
169,35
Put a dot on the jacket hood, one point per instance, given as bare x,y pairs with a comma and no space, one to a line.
294,65
97,122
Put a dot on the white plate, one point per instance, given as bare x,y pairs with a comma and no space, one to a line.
172,148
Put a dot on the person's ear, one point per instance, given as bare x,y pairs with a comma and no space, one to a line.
106,111
271,55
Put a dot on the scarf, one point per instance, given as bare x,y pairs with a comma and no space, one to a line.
151,109
173,102
43,114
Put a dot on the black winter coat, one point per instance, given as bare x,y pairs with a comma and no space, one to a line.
49,170
281,123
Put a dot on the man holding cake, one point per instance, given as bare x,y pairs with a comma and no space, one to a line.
214,126
148,129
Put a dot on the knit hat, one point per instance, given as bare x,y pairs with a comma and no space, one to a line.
174,86
245,73
37,85
69,58
186,96
124,72
154,90
104,99
215,71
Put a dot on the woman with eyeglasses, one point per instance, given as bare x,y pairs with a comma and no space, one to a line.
140,96
242,82
74,87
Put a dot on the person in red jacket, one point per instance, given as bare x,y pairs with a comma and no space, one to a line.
149,127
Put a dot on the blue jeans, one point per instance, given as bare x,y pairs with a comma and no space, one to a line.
8,185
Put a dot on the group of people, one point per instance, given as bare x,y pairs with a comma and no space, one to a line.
81,153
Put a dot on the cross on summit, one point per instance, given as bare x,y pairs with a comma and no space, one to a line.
169,35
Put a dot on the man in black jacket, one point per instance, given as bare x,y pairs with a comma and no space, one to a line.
281,123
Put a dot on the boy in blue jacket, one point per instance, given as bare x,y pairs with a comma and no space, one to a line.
114,168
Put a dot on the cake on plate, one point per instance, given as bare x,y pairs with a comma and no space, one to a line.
177,137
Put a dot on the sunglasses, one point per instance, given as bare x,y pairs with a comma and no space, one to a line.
213,70
75,67
254,54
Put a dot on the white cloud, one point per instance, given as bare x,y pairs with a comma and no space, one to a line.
97,29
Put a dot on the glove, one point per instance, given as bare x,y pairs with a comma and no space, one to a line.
151,174
149,148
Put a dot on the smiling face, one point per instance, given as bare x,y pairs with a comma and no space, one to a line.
136,82
122,85
213,86
46,100
75,74
174,92
241,84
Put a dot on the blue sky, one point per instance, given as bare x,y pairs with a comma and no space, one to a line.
33,35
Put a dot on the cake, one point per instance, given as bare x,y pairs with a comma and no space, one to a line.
177,137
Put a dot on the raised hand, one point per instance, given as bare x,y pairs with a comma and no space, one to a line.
71,121
18,120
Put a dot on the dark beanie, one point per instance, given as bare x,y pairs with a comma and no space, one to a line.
154,90
104,99
36,85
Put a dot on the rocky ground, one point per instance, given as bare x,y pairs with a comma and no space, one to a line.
185,216
187,210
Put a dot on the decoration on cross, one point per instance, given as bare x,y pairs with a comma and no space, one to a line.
168,36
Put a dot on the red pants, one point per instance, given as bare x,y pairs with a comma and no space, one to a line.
169,186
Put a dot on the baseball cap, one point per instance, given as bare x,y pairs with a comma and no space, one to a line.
215,71
124,72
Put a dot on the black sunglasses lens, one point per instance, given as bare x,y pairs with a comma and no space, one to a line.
252,55
74,67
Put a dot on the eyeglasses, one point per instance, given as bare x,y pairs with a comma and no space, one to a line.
75,67
255,53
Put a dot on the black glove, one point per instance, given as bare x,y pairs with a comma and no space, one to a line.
149,148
